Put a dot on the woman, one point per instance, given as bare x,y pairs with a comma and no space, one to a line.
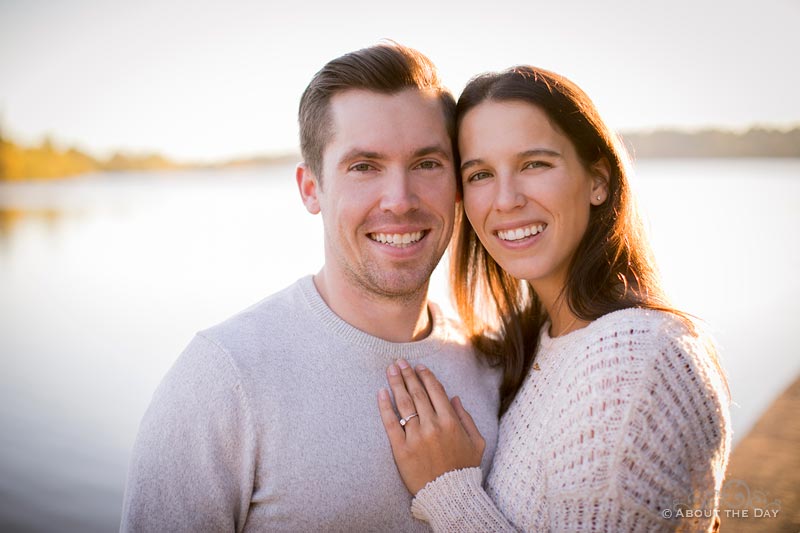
620,421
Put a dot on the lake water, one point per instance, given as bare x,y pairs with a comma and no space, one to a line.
104,279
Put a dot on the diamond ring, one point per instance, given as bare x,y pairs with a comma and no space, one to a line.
404,421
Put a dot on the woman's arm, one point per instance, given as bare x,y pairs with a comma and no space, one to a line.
648,436
438,450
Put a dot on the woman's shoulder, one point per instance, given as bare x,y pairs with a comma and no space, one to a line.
657,367
646,324
639,376
647,332
681,393
630,330
672,351
638,341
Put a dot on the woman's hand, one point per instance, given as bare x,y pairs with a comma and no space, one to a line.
442,437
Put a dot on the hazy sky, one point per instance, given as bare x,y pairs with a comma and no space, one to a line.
203,80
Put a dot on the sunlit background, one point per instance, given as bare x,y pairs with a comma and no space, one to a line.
209,80
104,277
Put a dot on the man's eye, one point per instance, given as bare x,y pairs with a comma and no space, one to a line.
429,165
362,167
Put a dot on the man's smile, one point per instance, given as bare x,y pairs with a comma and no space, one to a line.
399,240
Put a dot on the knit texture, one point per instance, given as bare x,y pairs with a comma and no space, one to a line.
627,417
269,422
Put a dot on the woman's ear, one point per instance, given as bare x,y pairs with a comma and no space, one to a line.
308,185
601,172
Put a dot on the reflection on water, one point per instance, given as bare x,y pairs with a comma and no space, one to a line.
17,223
10,217
103,280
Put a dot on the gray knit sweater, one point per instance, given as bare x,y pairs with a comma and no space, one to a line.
269,422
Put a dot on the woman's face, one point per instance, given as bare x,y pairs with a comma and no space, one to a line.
526,192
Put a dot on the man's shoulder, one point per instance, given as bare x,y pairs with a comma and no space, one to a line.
271,312
264,324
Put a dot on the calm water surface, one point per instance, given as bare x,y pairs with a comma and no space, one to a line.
104,279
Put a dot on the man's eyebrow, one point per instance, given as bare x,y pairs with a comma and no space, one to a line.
359,153
433,149
527,153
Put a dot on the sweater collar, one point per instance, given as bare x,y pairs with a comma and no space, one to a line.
547,342
390,351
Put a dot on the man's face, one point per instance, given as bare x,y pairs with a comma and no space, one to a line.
388,191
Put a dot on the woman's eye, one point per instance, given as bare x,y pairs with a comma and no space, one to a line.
536,164
478,176
428,165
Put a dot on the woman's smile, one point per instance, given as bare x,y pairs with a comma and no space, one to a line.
521,234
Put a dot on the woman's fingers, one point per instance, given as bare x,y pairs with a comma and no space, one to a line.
447,440
390,423
422,404
435,391
402,397
469,424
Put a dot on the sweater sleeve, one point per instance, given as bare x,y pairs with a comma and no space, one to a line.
665,441
456,502
193,463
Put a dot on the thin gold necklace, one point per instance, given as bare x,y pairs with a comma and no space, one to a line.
566,328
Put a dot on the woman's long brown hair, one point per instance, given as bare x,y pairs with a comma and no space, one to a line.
613,266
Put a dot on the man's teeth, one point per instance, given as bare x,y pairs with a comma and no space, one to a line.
397,239
521,233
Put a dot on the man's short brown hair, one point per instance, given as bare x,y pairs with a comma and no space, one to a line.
385,68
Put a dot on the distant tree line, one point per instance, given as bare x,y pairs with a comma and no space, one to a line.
755,142
47,161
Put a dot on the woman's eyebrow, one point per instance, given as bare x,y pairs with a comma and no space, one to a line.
471,163
526,153
539,151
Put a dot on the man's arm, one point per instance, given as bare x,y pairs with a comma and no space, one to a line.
193,463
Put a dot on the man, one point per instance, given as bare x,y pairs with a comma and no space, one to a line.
269,421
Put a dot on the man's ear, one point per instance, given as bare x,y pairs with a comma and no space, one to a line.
601,172
308,185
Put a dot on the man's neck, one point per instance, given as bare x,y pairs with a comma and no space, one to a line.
393,320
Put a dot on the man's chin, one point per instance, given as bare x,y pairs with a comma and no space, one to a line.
398,284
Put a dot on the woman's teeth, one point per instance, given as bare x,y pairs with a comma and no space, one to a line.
397,239
521,233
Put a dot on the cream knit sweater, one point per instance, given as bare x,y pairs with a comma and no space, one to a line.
626,417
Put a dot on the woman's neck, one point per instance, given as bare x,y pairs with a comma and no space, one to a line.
562,318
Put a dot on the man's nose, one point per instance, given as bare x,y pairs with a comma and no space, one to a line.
399,195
